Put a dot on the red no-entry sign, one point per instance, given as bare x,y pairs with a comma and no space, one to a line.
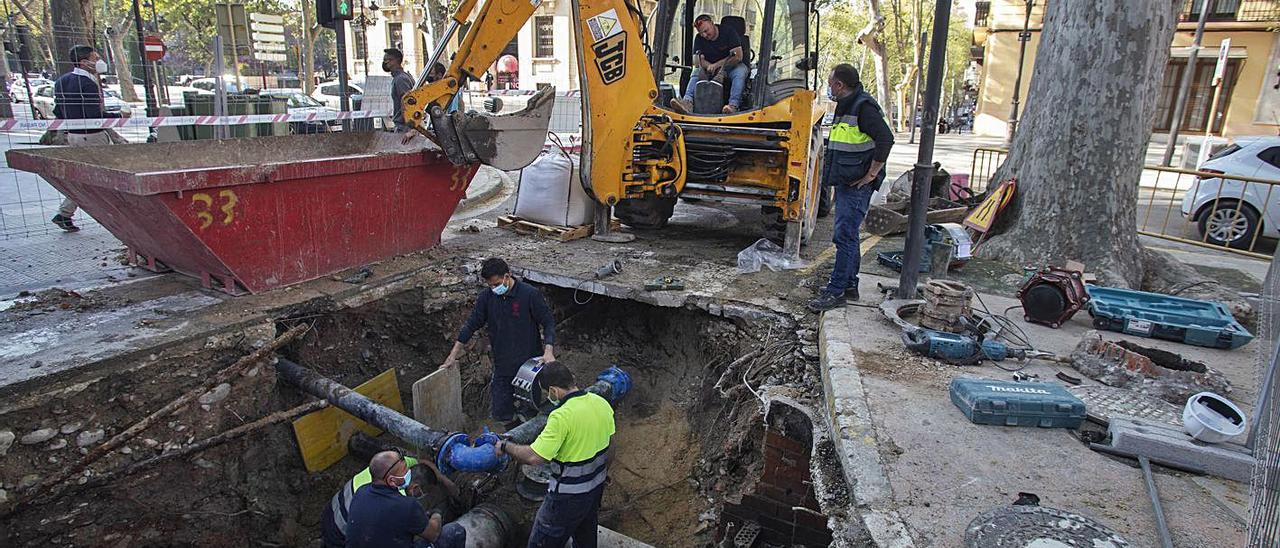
154,48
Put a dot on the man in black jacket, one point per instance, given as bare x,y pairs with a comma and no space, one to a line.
76,96
856,152
513,311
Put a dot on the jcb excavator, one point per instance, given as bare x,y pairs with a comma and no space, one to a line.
638,156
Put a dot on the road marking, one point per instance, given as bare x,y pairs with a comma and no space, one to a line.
827,253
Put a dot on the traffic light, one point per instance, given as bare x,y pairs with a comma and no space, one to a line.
328,11
342,9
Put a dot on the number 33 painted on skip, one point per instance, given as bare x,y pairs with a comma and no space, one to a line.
204,206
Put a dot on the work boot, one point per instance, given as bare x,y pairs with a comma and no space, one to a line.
681,106
826,301
851,294
65,223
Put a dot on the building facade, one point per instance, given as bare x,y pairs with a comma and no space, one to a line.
1249,101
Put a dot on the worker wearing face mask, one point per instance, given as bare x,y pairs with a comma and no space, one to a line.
576,443
513,311
381,516
77,96
857,150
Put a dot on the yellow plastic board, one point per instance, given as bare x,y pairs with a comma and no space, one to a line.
982,217
322,436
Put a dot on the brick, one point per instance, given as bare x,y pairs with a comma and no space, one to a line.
780,494
809,537
766,506
782,442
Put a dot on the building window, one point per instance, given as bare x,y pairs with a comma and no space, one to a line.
1196,111
395,35
544,36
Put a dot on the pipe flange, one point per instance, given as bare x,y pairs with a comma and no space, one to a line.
442,457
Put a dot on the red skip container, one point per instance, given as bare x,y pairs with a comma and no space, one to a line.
257,214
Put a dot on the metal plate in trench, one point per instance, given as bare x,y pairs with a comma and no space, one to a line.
1037,526
1103,402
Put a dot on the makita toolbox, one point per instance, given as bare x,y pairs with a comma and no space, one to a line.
1190,321
1017,403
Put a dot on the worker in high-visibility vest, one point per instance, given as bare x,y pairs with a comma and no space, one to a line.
576,443
856,152
438,494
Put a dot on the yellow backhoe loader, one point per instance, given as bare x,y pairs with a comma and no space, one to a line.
638,155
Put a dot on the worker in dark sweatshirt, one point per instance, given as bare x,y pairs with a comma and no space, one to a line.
856,152
513,311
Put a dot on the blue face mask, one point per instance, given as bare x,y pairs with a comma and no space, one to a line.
408,476
501,289
830,95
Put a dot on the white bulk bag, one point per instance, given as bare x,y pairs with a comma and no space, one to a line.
551,193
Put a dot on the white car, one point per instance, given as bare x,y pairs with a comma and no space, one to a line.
18,89
299,103
210,85
111,100
1230,212
327,93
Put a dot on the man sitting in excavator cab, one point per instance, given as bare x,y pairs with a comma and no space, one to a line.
718,50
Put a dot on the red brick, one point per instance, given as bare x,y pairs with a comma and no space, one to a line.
810,519
782,495
764,506
782,442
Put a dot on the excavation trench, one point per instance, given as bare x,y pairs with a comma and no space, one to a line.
696,458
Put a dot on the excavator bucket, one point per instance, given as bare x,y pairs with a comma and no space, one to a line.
507,142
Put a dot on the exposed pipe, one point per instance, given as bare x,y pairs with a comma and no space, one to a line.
486,525
415,433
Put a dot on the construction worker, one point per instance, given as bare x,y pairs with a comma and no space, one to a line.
77,96
513,311
381,516
856,152
576,443
718,52
434,491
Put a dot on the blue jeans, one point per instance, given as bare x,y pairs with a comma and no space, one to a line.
852,204
737,83
502,404
562,517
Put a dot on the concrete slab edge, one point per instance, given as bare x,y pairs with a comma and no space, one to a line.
849,418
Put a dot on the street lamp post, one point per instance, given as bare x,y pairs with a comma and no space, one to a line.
1023,37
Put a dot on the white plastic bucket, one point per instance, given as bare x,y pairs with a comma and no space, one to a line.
1211,418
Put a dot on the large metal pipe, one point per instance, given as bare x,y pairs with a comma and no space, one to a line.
487,526
415,433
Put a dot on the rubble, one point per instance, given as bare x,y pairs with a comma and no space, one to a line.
39,436
1151,371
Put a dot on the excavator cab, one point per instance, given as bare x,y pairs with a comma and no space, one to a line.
638,156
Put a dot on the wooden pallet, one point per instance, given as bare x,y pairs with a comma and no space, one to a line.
558,233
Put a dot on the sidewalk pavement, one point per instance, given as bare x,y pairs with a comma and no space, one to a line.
919,471
93,258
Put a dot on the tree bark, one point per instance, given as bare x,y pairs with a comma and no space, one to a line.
70,27
869,36
308,48
120,32
42,39
1079,151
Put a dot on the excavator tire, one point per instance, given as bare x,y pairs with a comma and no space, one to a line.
648,212
826,200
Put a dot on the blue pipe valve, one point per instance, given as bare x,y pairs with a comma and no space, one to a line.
462,454
619,380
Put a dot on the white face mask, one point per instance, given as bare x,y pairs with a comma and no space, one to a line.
100,66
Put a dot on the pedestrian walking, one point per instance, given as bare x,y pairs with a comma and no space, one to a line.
576,443
77,96
856,153
513,311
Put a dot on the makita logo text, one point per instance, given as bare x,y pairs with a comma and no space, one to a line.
1019,390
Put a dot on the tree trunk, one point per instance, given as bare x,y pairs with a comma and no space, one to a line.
869,36
1079,150
123,70
308,48
70,27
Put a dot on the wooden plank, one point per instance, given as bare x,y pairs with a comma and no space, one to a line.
437,400
322,436
559,233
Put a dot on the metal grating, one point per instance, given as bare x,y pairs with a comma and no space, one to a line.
1264,489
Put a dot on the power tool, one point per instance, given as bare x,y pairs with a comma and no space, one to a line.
956,348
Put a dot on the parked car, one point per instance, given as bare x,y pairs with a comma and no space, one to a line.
299,103
327,93
18,89
110,100
210,85
1230,212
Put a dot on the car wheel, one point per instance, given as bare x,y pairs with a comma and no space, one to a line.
1230,223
